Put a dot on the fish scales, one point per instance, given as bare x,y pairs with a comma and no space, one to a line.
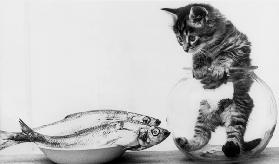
118,133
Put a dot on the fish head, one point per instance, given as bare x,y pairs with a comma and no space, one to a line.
143,119
151,136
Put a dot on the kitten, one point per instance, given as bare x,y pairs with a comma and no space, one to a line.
216,45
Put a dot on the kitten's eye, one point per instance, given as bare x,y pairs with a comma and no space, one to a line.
192,38
179,38
155,132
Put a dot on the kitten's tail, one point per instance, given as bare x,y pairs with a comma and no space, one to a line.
248,146
6,139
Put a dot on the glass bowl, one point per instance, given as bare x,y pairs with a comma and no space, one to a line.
208,129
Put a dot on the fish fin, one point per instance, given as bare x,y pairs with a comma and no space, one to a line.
136,148
74,115
24,128
29,134
126,129
133,148
6,139
113,141
248,146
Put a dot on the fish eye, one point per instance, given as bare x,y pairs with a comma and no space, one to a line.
146,120
192,38
155,132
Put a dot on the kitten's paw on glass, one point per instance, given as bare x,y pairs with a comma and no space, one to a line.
217,71
182,143
200,73
231,149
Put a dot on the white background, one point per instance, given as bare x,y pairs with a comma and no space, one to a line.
59,57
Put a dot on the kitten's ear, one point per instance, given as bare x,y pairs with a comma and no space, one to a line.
197,15
173,13
198,12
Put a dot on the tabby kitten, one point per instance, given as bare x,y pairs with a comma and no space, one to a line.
216,45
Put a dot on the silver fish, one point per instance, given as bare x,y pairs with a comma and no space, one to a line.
130,135
82,120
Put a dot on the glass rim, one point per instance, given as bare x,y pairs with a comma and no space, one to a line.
246,68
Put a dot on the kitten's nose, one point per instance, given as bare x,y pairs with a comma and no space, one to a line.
186,48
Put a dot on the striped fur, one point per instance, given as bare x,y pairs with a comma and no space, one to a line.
207,121
216,45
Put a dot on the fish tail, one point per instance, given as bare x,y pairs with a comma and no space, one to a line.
29,134
6,139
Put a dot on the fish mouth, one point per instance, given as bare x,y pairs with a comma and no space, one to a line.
166,134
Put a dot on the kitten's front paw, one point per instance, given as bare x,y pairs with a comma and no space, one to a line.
231,149
182,143
204,106
200,73
218,72
210,84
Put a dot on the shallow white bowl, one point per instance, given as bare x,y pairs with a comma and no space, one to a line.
83,156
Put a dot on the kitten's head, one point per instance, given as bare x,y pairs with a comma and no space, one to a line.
196,25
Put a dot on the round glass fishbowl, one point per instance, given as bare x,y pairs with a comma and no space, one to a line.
229,121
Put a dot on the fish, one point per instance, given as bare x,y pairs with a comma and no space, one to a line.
130,135
81,120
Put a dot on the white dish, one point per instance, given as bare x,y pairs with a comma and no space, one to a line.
83,156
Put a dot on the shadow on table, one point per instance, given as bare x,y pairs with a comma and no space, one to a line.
151,158
178,158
